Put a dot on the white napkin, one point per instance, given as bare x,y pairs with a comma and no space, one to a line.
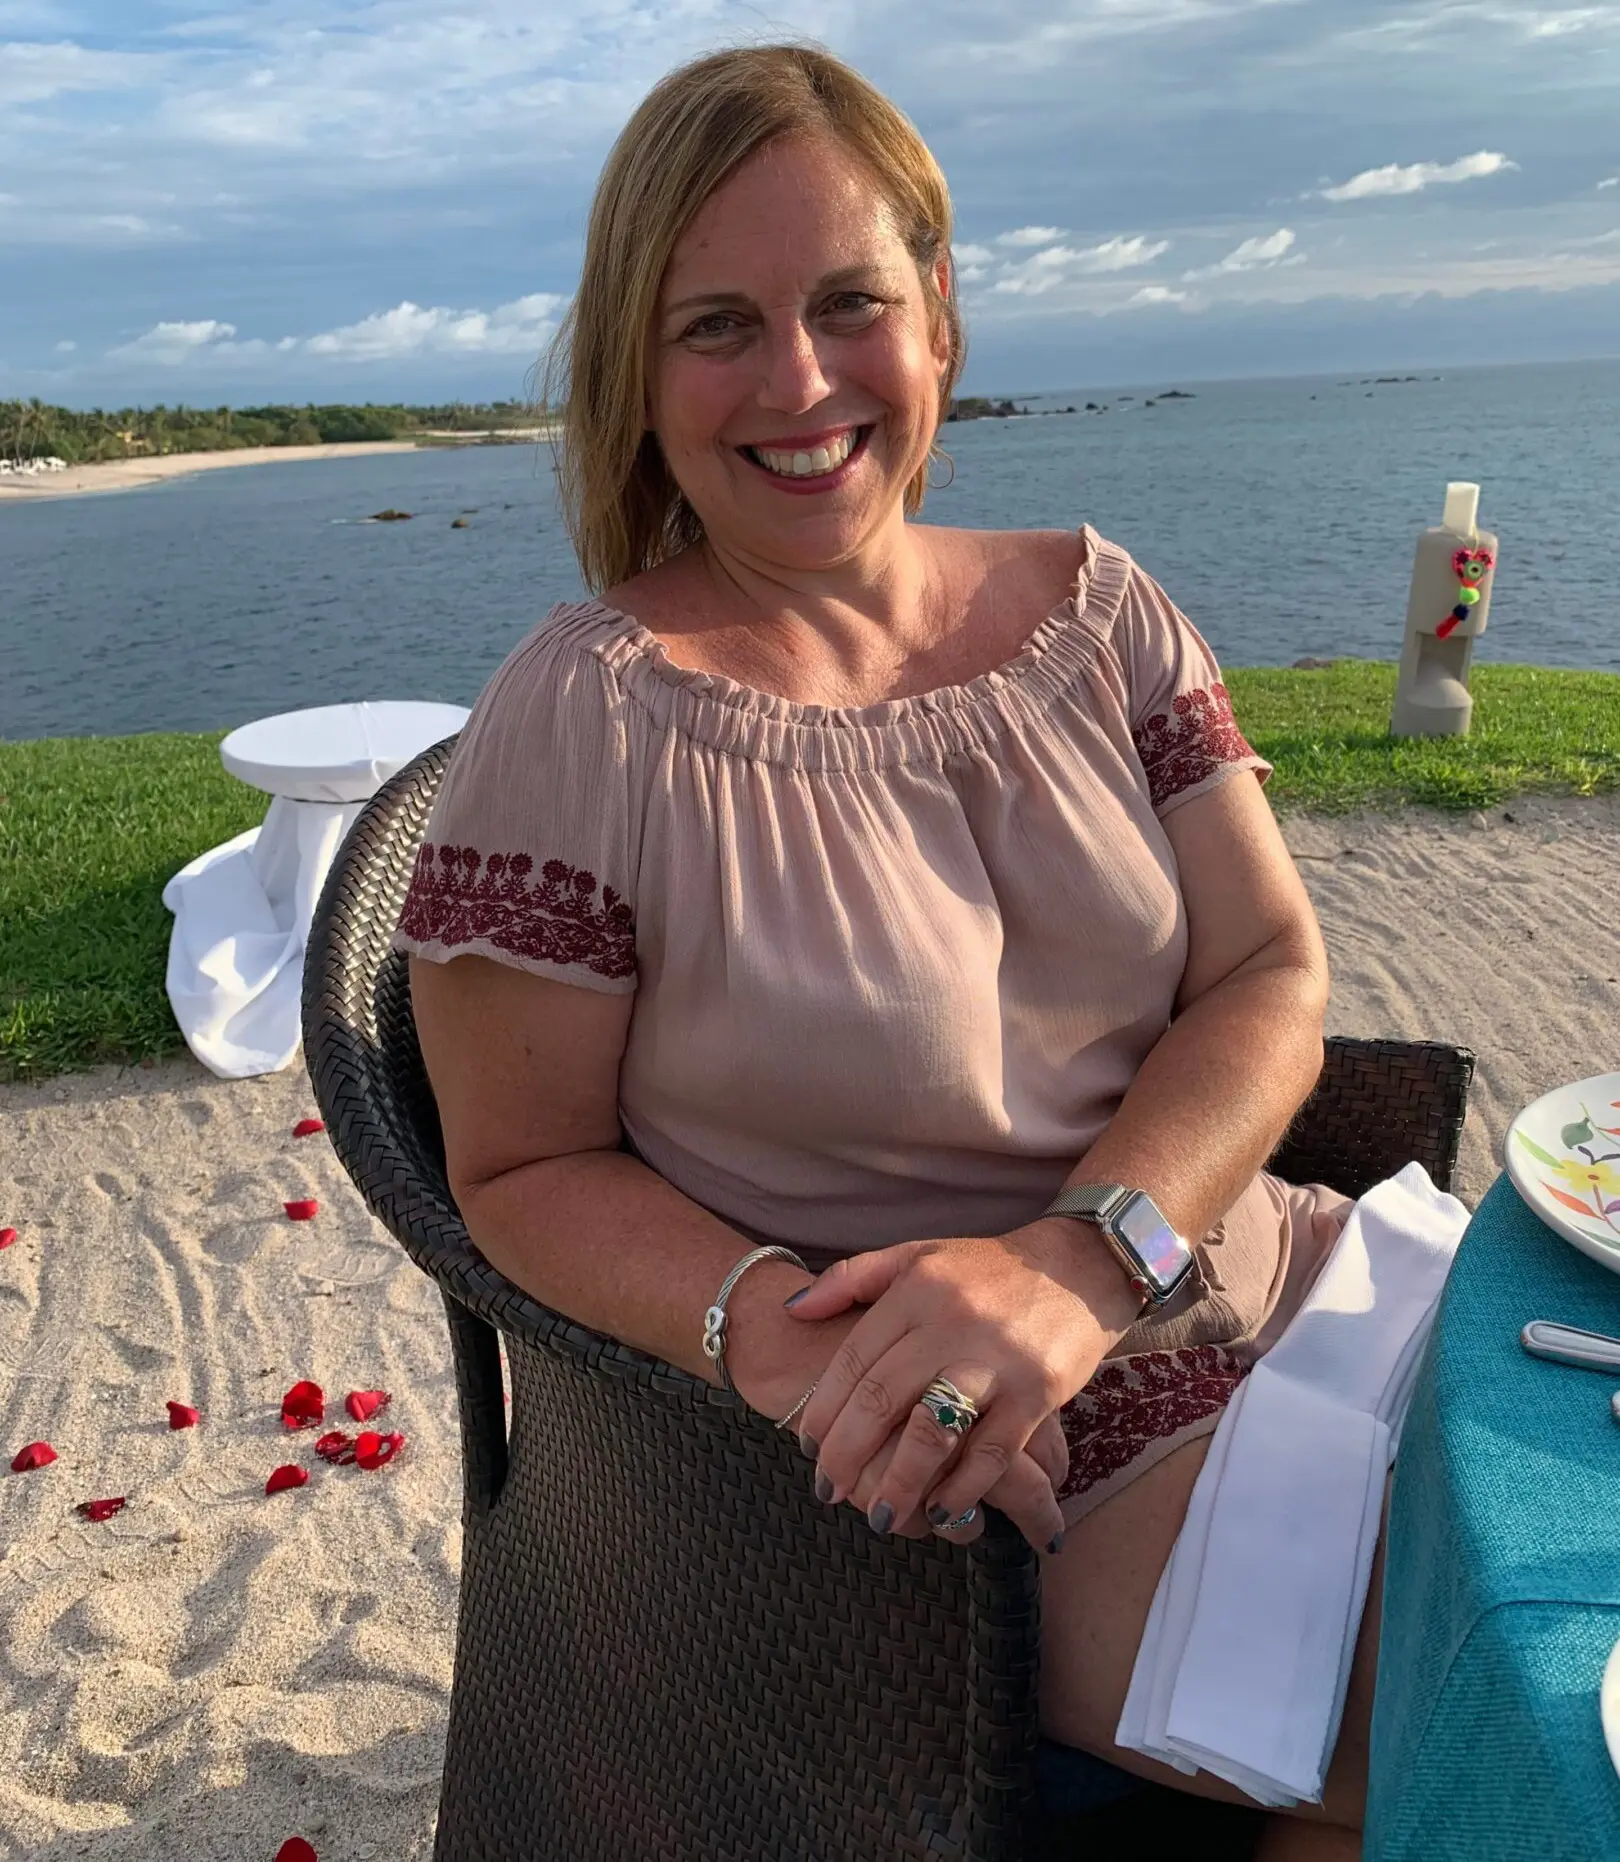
1246,1655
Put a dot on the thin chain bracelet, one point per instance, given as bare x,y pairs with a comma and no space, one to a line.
788,1418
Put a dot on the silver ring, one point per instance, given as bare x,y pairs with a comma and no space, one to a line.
956,1525
948,1407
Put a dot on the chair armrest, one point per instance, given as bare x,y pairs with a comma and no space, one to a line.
1376,1106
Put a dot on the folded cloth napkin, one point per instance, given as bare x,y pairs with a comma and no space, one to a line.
1245,1659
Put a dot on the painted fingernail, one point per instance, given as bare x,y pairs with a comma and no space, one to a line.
794,1298
937,1515
824,1488
810,1446
1057,1544
881,1517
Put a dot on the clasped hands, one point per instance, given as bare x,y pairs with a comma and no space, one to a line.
1018,1322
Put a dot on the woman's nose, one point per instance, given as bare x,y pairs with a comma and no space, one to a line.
794,381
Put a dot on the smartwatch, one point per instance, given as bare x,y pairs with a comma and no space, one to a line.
1154,1256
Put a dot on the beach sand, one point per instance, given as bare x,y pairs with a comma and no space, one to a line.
130,474
213,1671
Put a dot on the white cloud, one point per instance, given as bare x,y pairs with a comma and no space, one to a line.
1374,183
174,342
1156,294
519,328
522,327
973,255
1611,181
66,348
1029,236
32,72
1261,252
1059,265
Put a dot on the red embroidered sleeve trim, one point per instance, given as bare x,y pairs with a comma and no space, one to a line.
1135,1401
1179,751
556,920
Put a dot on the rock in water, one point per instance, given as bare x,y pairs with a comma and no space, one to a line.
458,523
390,516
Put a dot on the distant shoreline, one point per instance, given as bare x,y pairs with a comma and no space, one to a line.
130,474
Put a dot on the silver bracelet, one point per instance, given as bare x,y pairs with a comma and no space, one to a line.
787,1420
714,1320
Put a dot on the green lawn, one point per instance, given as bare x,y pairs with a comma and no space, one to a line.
91,828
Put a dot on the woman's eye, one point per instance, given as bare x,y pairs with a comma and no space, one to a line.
717,323
851,303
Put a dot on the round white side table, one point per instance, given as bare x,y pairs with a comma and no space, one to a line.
242,911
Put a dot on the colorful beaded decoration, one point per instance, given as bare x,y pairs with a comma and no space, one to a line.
1470,567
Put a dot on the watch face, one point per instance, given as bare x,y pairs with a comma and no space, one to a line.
1162,1250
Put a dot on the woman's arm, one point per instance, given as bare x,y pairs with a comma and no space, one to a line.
1216,1093
526,1073
1205,1111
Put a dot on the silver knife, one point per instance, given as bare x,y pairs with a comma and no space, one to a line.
1567,1344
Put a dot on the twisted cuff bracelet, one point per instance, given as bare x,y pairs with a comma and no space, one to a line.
714,1320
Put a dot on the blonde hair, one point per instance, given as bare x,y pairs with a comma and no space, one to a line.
624,510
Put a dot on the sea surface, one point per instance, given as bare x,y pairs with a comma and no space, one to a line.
1281,515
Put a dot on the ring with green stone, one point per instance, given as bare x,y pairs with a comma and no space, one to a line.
948,1407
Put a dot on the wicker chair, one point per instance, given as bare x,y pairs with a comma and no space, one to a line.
667,1650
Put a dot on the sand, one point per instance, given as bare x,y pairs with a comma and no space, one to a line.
212,1671
130,474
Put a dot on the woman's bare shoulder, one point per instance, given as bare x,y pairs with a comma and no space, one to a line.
658,598
1026,568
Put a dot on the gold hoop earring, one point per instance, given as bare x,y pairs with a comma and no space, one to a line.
935,455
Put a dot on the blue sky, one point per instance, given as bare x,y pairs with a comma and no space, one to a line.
381,199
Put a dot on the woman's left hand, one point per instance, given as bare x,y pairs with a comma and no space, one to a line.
1018,1322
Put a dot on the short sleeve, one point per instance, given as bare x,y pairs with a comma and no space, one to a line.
528,853
1180,710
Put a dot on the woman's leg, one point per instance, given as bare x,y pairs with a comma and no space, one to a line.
1095,1596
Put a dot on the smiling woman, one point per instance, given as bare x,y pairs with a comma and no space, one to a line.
837,891
654,204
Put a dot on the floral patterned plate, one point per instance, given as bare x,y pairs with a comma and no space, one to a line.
1563,1154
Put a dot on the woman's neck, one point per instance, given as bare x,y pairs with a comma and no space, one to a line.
845,628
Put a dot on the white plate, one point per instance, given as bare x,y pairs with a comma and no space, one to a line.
1565,1136
1609,1705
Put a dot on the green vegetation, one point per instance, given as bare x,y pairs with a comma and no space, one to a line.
1534,731
92,828
33,430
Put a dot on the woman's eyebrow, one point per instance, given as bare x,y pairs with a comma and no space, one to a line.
850,274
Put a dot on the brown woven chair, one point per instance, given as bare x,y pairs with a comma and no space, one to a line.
667,1650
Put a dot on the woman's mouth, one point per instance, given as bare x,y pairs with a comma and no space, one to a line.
809,468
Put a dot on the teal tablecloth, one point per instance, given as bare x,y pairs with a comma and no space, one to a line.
1502,1584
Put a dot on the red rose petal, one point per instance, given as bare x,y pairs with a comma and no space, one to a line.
372,1450
35,1455
286,1476
334,1446
102,1509
362,1405
304,1210
307,1127
183,1416
295,1849
7,1237
304,1403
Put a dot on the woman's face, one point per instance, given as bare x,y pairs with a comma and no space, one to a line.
794,377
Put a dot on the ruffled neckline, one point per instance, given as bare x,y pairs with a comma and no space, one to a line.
746,720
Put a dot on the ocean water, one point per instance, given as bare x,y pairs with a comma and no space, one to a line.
1281,515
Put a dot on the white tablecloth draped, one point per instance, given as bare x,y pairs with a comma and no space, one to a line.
242,911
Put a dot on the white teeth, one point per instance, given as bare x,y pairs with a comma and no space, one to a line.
810,464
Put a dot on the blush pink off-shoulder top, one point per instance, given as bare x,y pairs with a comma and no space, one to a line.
894,966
